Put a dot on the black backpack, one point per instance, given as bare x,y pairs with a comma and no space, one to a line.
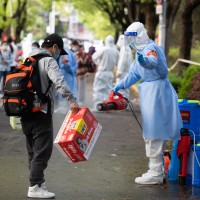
22,90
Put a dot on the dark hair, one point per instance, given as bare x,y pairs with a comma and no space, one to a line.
36,44
75,43
91,50
9,40
11,47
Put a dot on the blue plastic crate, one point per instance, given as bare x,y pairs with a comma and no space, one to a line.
190,113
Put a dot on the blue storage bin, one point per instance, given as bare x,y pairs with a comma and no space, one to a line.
190,113
174,163
193,167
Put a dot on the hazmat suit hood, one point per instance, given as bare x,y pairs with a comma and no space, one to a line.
120,41
136,36
109,41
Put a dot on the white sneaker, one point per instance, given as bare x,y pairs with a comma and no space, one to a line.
39,192
147,179
43,186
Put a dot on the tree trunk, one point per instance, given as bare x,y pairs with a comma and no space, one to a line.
20,16
172,8
187,33
151,18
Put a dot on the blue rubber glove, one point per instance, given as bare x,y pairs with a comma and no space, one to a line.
117,88
140,58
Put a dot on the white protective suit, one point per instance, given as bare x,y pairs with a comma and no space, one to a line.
124,62
105,58
158,100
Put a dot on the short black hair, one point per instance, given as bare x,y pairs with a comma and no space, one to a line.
75,43
9,40
36,44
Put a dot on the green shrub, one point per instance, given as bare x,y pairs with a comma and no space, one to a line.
188,75
195,52
175,81
173,55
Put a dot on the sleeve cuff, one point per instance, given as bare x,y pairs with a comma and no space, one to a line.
71,99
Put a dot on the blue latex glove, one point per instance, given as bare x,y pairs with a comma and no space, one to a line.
117,88
140,58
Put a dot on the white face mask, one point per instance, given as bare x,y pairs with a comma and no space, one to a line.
5,48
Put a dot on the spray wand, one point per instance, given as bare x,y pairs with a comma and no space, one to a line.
116,101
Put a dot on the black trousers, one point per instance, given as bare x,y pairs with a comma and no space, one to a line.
38,129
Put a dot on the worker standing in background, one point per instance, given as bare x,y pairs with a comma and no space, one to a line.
81,72
106,59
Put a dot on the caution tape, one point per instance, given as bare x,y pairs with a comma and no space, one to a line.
184,61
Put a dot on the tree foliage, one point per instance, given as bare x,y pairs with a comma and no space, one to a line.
102,16
188,75
121,13
95,19
17,15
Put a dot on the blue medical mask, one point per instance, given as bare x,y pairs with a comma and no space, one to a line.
74,49
56,56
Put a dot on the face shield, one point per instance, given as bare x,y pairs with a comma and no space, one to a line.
137,40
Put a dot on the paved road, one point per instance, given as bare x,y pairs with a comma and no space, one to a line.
118,157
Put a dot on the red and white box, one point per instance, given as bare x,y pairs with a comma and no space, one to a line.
78,135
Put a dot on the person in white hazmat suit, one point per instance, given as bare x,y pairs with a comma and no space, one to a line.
124,63
158,100
106,58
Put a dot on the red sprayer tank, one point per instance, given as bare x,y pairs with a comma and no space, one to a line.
183,153
115,102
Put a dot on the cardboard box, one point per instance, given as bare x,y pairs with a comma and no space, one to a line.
78,135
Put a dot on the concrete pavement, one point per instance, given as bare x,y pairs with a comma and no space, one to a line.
118,157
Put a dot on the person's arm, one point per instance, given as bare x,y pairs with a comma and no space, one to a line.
154,59
117,57
148,59
61,86
74,64
66,64
96,56
131,78
122,62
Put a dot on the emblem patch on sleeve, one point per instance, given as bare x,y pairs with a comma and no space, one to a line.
152,53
